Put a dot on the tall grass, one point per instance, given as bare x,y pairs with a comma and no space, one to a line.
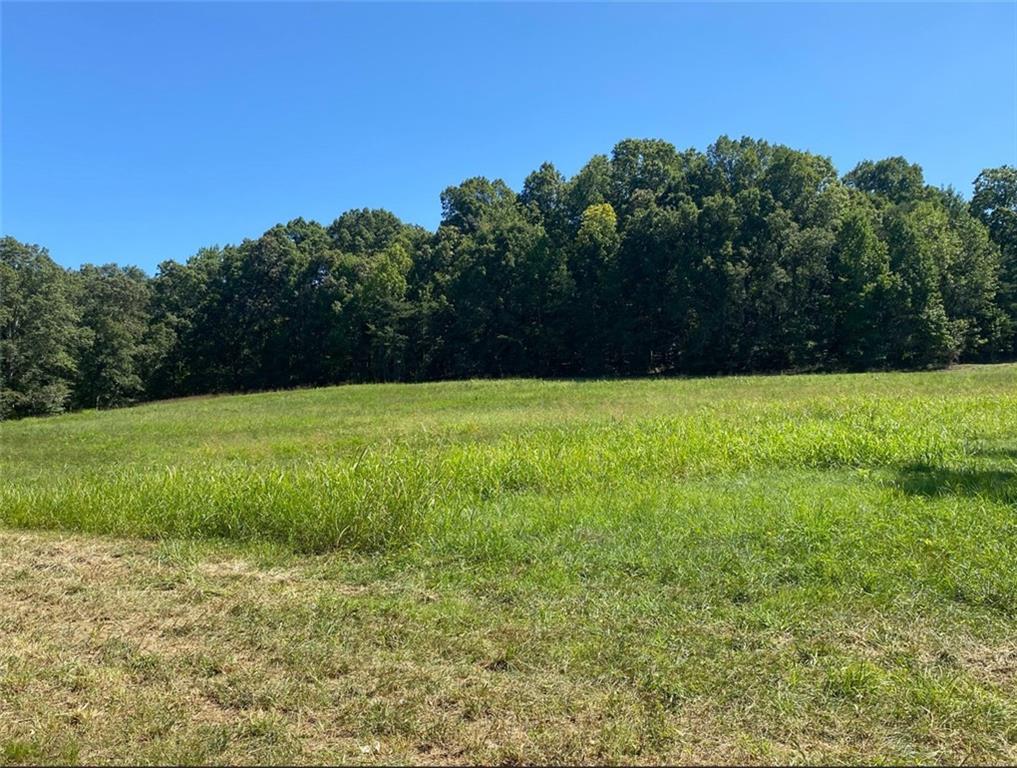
386,492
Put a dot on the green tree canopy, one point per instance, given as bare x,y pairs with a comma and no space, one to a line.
749,256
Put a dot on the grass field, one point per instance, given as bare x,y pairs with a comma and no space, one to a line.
758,569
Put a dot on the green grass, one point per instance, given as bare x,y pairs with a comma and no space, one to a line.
807,568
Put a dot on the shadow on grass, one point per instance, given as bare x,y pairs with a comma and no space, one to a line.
985,577
992,484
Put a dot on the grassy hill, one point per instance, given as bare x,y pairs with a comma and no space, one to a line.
807,568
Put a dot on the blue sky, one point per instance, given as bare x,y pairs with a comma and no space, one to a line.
140,132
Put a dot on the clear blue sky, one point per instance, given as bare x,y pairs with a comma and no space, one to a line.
140,132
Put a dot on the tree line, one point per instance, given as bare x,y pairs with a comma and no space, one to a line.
747,257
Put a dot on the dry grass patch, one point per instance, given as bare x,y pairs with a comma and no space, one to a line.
117,651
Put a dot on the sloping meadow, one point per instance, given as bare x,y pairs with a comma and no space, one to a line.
323,489
749,570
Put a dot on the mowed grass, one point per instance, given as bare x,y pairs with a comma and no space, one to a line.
752,569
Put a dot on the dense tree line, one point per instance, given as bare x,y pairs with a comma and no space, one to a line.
748,257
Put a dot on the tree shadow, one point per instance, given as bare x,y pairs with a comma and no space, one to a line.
992,484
